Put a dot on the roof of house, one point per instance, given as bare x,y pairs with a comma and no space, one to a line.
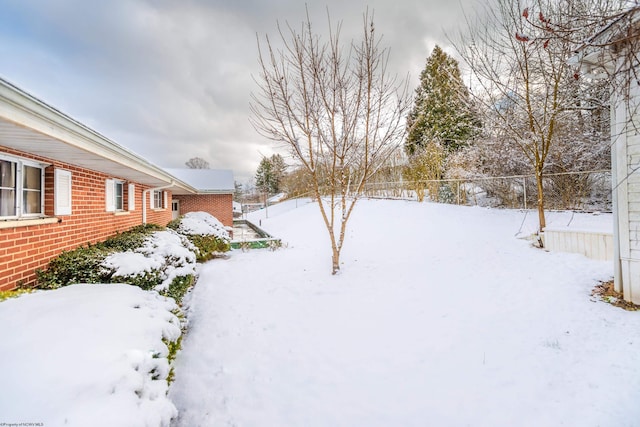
615,30
596,55
211,181
30,125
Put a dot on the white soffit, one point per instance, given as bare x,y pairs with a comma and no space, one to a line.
29,125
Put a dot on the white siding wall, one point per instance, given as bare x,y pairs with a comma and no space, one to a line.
625,134
633,192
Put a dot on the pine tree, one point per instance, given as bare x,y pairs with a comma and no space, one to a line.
264,176
441,111
278,169
238,193
270,174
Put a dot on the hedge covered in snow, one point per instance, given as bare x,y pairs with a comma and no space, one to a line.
205,232
88,355
149,256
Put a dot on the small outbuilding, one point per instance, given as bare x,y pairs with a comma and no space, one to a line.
215,188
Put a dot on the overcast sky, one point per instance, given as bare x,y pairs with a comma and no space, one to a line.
171,79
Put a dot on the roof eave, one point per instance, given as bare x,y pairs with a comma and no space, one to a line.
38,128
216,191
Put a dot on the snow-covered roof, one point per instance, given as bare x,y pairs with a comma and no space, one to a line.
216,181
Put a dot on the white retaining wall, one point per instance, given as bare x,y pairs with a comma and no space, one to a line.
592,244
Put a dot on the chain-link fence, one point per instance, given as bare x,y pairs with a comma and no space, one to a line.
582,191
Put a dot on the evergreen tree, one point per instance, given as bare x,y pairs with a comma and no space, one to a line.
270,174
441,111
264,176
279,170
238,193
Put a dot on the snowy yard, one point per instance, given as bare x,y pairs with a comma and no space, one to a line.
440,316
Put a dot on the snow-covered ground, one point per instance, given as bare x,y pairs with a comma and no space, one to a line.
440,316
93,355
86,355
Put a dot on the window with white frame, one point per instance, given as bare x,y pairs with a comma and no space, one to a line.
21,188
119,195
158,199
114,194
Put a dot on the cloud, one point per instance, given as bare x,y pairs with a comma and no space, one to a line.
172,80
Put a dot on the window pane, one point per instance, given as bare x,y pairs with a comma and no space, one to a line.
119,195
7,174
7,202
31,202
32,177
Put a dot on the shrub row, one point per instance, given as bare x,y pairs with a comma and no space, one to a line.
205,232
148,256
83,264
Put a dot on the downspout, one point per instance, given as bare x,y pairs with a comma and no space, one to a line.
145,200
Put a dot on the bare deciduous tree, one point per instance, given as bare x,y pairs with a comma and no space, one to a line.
605,34
526,82
611,54
336,108
297,182
197,163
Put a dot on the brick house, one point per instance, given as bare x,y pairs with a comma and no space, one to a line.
63,185
215,193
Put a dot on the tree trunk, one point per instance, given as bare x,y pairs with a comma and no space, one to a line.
541,217
335,261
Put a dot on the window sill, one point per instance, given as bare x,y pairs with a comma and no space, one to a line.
158,209
121,213
11,223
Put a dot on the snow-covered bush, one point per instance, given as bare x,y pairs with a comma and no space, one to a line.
143,256
82,265
165,260
131,239
99,355
148,256
206,233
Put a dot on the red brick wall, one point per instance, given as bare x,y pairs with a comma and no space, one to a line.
23,249
218,205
